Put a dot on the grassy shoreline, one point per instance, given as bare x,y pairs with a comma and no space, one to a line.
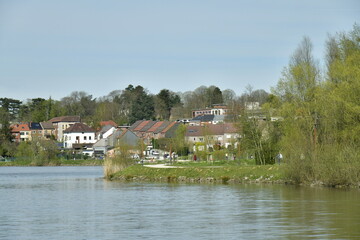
203,174
217,173
57,162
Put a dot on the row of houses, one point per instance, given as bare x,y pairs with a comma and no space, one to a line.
52,129
206,128
222,135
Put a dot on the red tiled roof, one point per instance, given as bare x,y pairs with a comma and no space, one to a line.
110,122
147,126
20,127
168,127
79,127
155,126
141,125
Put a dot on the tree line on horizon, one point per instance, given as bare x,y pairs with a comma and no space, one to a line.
124,106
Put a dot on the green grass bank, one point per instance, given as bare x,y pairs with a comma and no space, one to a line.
202,174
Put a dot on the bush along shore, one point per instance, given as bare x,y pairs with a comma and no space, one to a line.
202,174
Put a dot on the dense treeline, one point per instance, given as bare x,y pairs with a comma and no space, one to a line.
122,106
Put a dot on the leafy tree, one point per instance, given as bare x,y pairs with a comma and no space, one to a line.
228,96
40,151
12,106
79,104
142,106
6,146
216,96
165,100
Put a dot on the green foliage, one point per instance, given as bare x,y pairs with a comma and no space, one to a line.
121,159
142,106
165,100
79,104
6,144
219,155
260,138
10,106
40,152
321,120
202,173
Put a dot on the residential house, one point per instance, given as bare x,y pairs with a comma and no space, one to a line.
119,137
222,135
105,131
79,136
48,130
127,137
62,123
36,130
207,119
21,132
148,130
217,109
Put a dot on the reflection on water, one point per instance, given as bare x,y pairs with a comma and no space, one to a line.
76,203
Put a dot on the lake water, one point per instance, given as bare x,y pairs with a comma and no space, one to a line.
76,203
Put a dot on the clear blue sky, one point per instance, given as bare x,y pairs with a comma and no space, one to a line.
51,48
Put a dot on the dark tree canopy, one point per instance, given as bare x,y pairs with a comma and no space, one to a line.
142,106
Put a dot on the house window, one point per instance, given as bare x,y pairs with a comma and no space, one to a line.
77,139
89,137
84,138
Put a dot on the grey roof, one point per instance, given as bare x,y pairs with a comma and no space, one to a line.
219,118
204,118
47,125
147,126
101,143
106,128
134,125
162,127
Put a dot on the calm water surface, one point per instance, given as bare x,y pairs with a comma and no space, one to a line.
76,203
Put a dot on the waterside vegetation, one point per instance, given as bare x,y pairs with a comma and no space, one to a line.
203,174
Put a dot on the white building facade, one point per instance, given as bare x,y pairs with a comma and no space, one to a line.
78,134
